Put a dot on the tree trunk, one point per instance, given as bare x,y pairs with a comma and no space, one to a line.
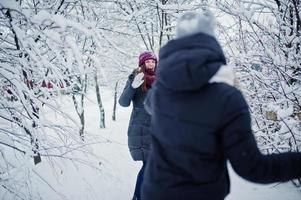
80,112
82,118
79,106
115,102
100,106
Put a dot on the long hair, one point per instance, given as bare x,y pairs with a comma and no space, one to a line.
142,69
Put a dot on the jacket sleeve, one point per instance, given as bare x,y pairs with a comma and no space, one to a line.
148,102
241,149
128,93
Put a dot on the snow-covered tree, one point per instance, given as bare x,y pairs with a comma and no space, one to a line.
45,50
262,38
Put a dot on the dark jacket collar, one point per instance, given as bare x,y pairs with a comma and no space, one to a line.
188,63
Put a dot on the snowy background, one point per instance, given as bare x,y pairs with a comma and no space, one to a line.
116,173
63,65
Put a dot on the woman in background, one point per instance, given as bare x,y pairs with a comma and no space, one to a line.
138,84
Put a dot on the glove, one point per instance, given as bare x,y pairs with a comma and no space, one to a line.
225,74
138,80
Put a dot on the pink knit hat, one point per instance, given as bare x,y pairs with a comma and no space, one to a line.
145,56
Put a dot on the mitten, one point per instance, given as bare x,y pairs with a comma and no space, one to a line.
138,80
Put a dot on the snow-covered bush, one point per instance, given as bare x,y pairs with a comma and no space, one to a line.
262,39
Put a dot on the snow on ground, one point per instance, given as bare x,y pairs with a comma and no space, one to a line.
244,190
116,178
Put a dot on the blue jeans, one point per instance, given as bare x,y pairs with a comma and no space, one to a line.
137,192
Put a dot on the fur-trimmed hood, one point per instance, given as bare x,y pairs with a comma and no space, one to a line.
189,63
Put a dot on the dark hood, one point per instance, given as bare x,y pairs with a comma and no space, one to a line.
189,63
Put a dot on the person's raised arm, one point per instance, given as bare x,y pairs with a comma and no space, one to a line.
129,90
240,148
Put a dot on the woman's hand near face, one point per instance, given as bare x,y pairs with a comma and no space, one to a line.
138,80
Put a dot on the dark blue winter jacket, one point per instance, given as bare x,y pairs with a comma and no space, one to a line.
139,125
197,127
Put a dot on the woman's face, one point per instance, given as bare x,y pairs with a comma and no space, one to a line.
150,64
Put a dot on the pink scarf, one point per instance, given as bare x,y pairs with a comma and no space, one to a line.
150,77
